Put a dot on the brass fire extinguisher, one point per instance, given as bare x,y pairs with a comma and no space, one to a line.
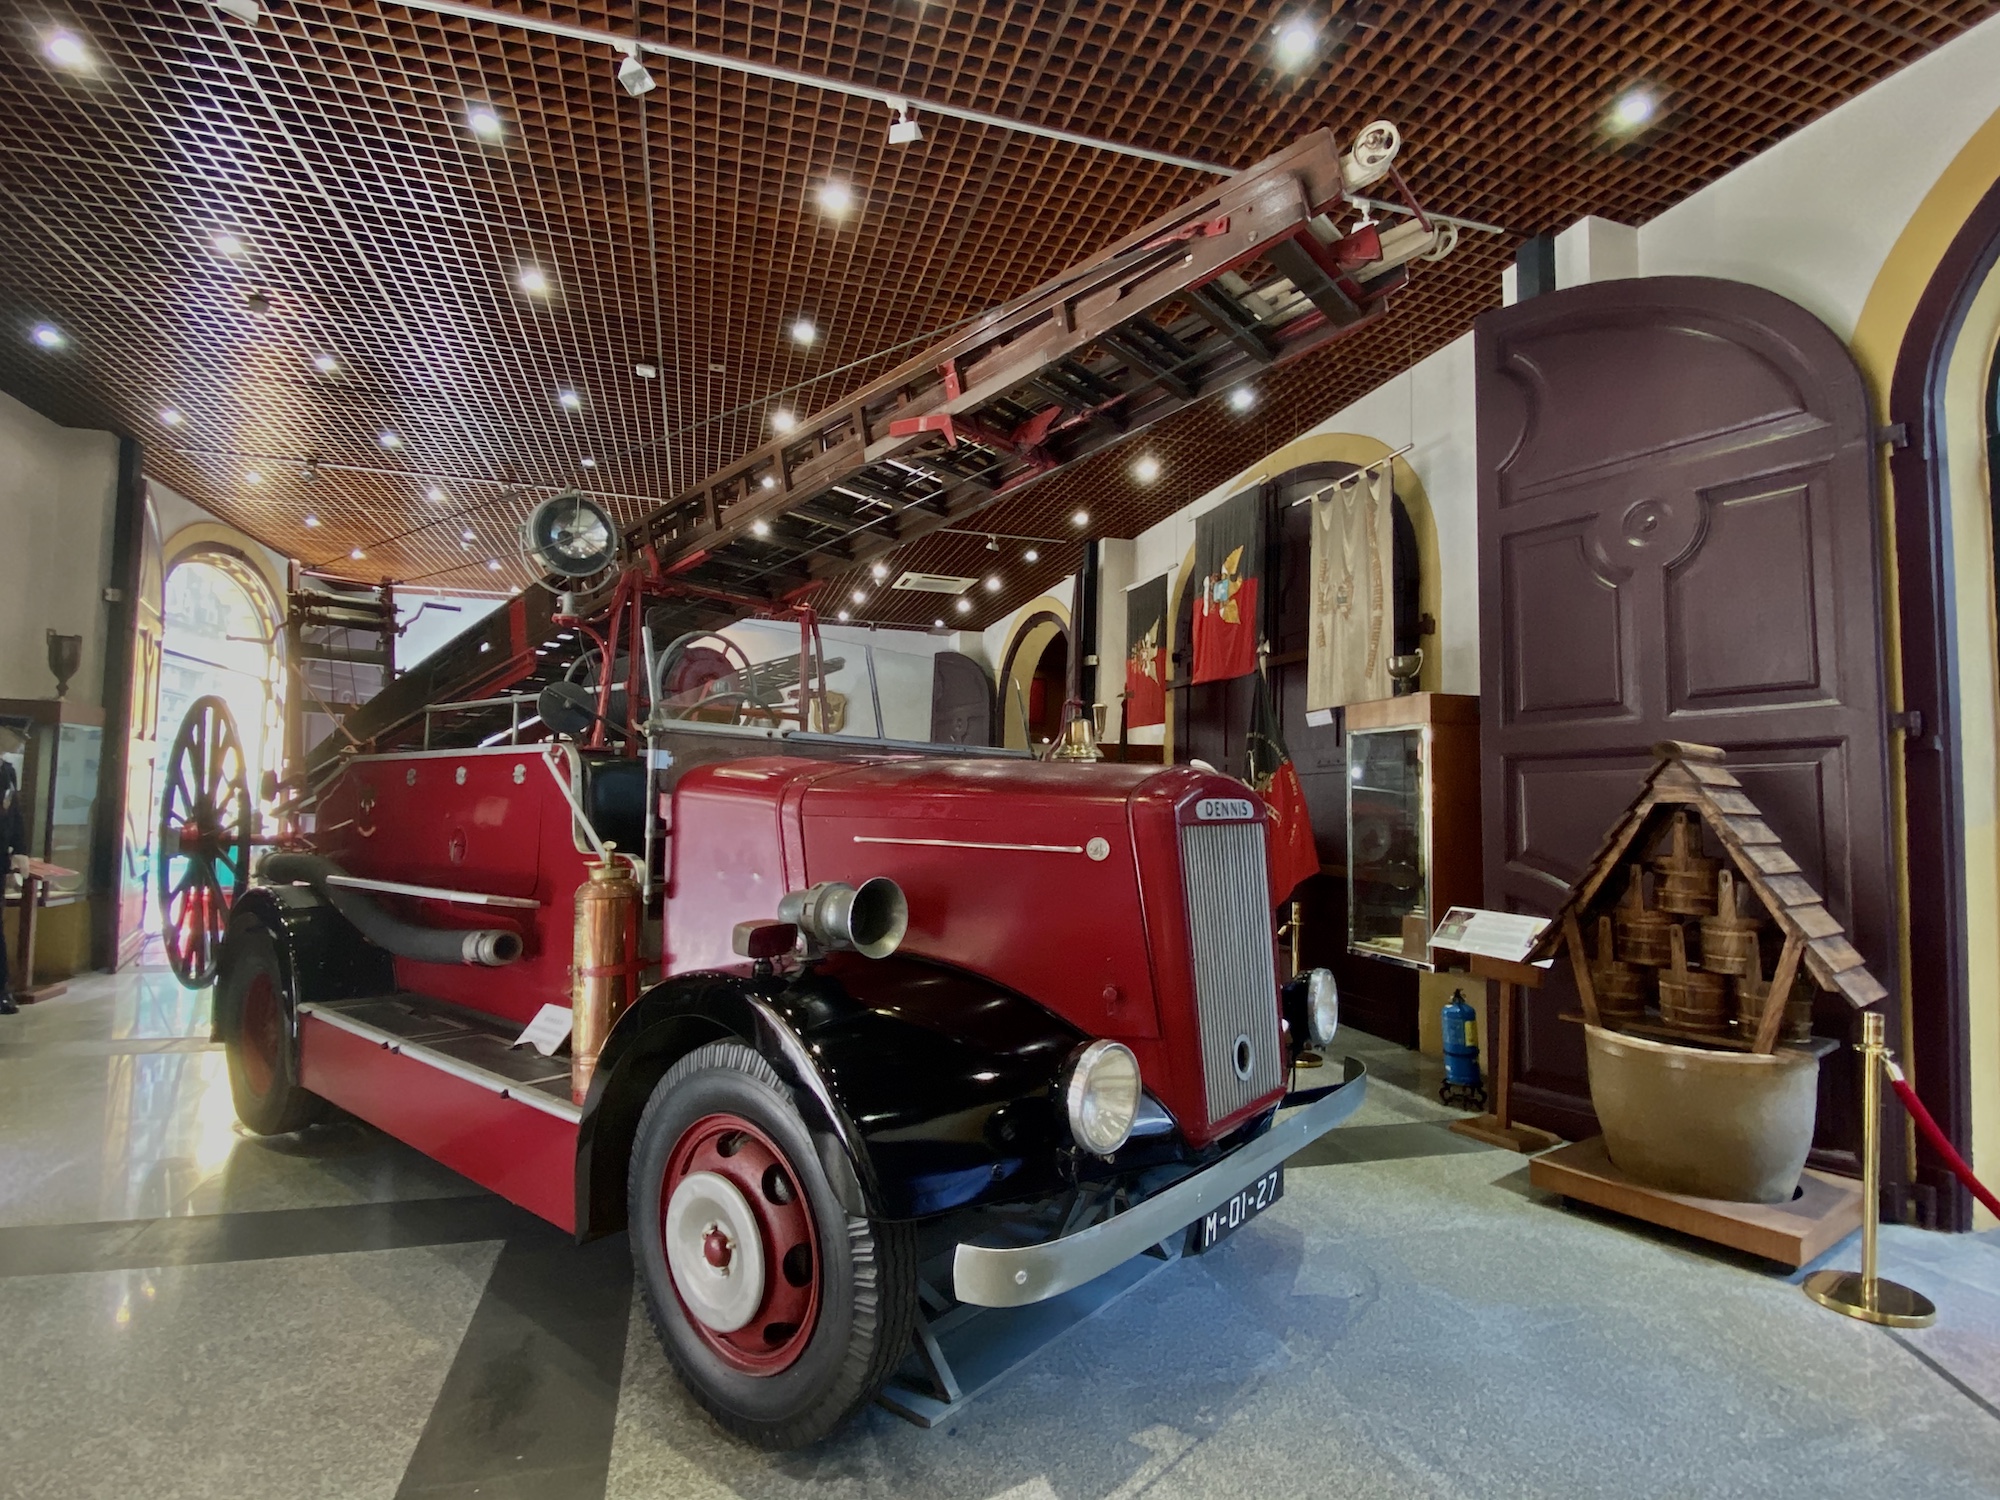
604,978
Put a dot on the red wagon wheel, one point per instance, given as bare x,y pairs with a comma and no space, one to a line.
203,858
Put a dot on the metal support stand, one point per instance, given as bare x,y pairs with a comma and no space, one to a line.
960,1350
1862,1294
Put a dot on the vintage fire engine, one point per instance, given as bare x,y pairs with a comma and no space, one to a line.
858,1029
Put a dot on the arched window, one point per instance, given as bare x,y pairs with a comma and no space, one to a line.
221,638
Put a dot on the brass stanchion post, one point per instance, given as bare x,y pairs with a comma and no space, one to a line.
1862,1294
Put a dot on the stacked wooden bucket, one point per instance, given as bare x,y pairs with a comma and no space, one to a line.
1643,948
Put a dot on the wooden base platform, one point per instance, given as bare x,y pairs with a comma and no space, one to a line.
1488,1129
1826,1211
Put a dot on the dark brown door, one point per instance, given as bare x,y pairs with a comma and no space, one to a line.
1677,540
961,701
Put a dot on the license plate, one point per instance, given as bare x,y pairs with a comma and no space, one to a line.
1234,1212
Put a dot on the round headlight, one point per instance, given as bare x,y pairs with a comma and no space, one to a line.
1101,1094
1322,1006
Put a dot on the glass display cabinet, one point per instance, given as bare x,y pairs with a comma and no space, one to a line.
54,746
1412,821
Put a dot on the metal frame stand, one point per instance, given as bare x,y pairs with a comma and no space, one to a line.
960,1351
1862,1294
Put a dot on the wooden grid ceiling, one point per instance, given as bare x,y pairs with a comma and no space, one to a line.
379,235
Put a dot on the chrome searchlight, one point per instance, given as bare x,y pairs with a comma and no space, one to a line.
1101,1095
869,919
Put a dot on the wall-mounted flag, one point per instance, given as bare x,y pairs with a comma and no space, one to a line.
1229,567
1146,653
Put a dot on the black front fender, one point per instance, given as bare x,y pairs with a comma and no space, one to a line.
926,1088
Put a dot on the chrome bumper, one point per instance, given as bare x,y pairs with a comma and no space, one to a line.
1014,1276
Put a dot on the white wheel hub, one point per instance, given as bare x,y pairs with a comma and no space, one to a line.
714,1251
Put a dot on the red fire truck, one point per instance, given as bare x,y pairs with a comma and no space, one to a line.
857,1028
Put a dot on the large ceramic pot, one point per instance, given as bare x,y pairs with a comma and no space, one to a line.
1733,1125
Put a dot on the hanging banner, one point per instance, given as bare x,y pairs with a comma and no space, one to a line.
1268,767
1353,621
1229,564
1146,653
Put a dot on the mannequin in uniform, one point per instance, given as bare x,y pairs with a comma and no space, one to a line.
13,854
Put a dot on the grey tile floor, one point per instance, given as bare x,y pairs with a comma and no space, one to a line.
185,1310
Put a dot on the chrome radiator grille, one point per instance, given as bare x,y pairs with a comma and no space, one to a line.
1235,982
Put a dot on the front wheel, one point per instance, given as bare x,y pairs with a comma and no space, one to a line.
260,1034
781,1313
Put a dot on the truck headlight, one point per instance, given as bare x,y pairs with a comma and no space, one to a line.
1101,1093
1322,1006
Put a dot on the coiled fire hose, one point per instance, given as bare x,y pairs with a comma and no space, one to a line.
1929,1128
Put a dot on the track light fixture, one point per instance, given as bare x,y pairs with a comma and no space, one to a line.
633,77
904,129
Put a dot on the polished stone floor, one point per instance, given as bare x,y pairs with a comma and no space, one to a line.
186,1311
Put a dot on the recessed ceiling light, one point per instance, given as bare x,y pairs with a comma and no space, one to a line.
783,420
170,416
1146,469
326,364
533,280
803,331
47,335
859,597
645,372
769,482
228,244
588,463
964,605
836,198
992,583
66,50
1080,518
312,521
468,535
253,476
389,438
1633,109
492,564
879,572
1031,555
716,367
570,399
842,616
484,122
357,554
1242,398
760,528
938,623
435,494
1297,40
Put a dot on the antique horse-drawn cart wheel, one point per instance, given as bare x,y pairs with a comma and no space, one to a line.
202,861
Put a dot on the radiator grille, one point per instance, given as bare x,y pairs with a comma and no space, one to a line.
1235,982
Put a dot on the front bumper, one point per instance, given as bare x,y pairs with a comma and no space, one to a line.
1016,1275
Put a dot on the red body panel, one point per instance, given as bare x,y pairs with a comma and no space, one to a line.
995,859
463,821
523,1154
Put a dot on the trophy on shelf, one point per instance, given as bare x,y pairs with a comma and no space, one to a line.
1403,670
65,656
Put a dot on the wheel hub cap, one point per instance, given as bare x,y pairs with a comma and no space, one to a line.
714,1251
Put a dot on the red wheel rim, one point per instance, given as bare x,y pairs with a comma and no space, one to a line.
261,1035
736,1150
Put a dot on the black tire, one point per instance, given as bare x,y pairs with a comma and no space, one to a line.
259,1030
867,1269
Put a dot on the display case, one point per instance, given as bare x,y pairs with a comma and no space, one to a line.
1412,821
55,746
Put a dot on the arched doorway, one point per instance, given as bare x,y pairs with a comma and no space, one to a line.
220,638
1034,682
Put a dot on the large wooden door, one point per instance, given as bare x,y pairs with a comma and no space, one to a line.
1677,540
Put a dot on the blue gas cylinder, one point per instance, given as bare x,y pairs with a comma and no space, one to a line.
1462,1083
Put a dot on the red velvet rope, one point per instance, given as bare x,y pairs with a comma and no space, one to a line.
1943,1147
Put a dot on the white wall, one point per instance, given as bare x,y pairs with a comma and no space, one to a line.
58,498
1814,217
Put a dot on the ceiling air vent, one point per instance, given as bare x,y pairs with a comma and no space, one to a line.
933,583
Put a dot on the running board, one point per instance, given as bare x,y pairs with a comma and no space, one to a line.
425,1032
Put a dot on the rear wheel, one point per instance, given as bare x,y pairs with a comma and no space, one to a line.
781,1312
260,1034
